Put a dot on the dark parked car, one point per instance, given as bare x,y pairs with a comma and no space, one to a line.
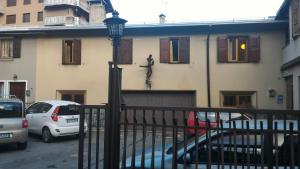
231,147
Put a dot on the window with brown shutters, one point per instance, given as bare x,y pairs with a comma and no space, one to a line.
10,48
27,2
77,96
295,18
175,50
125,52
71,52
238,49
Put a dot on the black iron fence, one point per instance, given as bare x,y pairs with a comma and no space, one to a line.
159,137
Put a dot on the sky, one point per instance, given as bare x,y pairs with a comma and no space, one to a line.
147,11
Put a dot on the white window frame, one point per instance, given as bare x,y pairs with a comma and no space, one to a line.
11,49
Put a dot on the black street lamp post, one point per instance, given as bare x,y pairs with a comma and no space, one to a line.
115,26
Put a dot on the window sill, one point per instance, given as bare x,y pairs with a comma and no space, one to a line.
70,64
6,59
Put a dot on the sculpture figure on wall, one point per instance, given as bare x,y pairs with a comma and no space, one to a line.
150,63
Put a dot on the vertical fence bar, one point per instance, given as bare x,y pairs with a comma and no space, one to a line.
153,139
218,141
184,139
196,129
163,140
81,138
248,145
230,141
276,144
209,144
134,140
234,145
298,141
285,134
222,144
174,160
90,138
144,139
269,142
262,161
292,150
97,138
255,160
125,139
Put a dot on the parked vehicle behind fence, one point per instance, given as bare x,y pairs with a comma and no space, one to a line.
13,125
212,118
53,119
230,148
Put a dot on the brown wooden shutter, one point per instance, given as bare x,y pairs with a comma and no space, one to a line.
164,50
184,50
254,49
17,48
64,53
125,52
77,51
222,45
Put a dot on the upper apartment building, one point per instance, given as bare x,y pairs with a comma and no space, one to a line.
53,12
242,61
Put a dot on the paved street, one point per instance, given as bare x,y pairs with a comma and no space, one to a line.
38,155
63,153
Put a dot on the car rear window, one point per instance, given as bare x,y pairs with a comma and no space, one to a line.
69,110
10,109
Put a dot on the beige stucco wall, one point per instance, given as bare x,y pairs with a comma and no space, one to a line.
24,67
19,9
259,77
92,75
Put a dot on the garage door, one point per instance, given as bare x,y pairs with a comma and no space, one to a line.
160,98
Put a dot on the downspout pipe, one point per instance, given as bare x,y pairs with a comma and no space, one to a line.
208,67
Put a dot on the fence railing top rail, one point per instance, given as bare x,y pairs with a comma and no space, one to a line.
206,109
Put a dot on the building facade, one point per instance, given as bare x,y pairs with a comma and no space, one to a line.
52,12
244,61
290,11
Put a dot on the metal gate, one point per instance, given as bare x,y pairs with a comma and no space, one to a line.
171,138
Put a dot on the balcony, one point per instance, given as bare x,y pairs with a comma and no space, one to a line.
63,21
48,4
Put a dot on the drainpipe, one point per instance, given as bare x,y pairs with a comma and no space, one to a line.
208,67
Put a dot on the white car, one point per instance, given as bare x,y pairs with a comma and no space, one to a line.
53,118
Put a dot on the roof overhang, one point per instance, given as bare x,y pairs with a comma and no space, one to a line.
149,30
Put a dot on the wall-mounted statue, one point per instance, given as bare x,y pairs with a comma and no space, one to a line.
150,63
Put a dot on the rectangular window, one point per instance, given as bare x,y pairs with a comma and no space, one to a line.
26,2
40,16
75,96
11,3
238,99
6,49
10,48
295,18
235,49
41,1
175,50
26,17
71,52
10,19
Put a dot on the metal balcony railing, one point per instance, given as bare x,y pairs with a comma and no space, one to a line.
78,3
63,20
